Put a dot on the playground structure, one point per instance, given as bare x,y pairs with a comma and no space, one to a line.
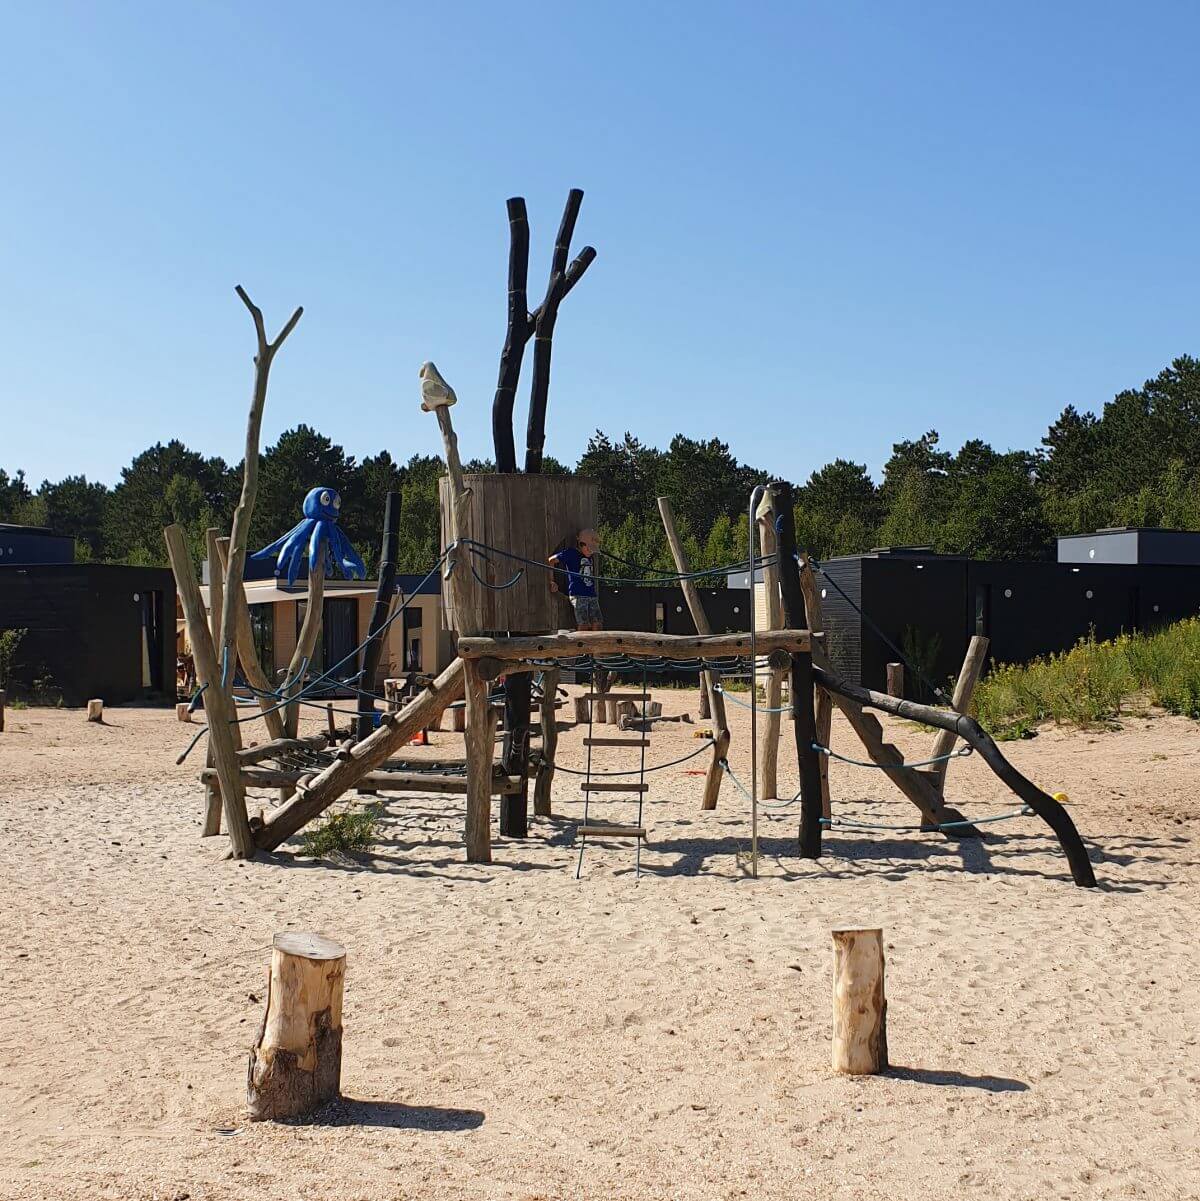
497,530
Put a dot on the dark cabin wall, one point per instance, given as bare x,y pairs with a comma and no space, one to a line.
843,625
85,627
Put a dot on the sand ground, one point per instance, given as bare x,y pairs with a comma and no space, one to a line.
514,1033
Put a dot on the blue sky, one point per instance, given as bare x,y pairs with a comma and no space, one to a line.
821,227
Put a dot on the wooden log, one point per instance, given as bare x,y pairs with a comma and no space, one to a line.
654,709
823,704
270,750
385,593
768,546
459,718
626,709
373,781
95,710
960,702
633,643
716,701
330,724
515,336
895,679
859,1003
803,714
518,692
183,711
296,1064
544,782
233,796
306,643
480,740
247,652
344,773
581,710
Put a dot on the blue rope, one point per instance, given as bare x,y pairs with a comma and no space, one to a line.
747,705
960,753
851,823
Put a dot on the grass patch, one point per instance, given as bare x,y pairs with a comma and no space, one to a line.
1088,685
349,832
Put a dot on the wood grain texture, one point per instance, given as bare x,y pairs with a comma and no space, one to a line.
859,1003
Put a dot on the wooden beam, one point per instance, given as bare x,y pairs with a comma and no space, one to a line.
716,700
373,781
216,708
823,702
632,643
768,545
960,702
480,740
395,730
269,750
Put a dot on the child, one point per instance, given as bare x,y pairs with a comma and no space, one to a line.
578,562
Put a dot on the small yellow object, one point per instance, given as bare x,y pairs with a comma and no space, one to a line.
1062,798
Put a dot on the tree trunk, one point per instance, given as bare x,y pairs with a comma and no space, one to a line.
296,1065
859,1003
964,689
481,725
384,593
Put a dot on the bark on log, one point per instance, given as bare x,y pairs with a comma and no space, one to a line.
296,1064
964,689
581,711
859,1003
344,773
216,708
544,782
480,740
610,642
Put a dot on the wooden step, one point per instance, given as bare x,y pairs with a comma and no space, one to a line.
613,696
616,742
612,786
607,831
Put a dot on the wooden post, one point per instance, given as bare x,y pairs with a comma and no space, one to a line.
716,701
95,710
208,672
859,1003
515,335
545,774
895,679
768,547
247,653
804,722
296,1064
514,810
384,593
216,607
481,724
964,689
183,711
581,710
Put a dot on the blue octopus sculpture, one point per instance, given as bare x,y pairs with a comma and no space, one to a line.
317,531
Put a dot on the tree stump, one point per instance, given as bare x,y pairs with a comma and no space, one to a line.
859,1004
296,1065
895,679
95,710
183,711
581,711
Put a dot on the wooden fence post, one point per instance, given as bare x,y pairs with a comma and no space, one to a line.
545,774
769,547
859,1003
895,680
480,740
964,689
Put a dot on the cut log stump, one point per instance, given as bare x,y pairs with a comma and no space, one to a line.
95,710
183,711
859,1003
296,1065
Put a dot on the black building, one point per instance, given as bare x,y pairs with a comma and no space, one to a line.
92,629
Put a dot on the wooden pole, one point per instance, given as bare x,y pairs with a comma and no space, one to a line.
208,673
768,545
296,1064
627,642
895,679
859,1003
344,773
235,571
481,726
247,653
216,606
95,710
960,702
373,652
803,716
716,701
514,810
306,643
515,336
544,783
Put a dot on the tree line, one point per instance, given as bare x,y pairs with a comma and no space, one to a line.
1137,463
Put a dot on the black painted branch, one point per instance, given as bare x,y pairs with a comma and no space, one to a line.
379,614
804,718
515,336
543,337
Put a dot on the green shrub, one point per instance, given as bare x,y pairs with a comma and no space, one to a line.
345,833
10,640
1088,685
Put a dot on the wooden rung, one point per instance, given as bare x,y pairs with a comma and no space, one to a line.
613,831
616,742
613,696
612,786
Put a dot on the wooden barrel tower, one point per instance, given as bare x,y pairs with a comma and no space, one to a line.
524,517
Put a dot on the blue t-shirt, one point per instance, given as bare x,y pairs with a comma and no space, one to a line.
578,566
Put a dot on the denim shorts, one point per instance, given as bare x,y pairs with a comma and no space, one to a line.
587,609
